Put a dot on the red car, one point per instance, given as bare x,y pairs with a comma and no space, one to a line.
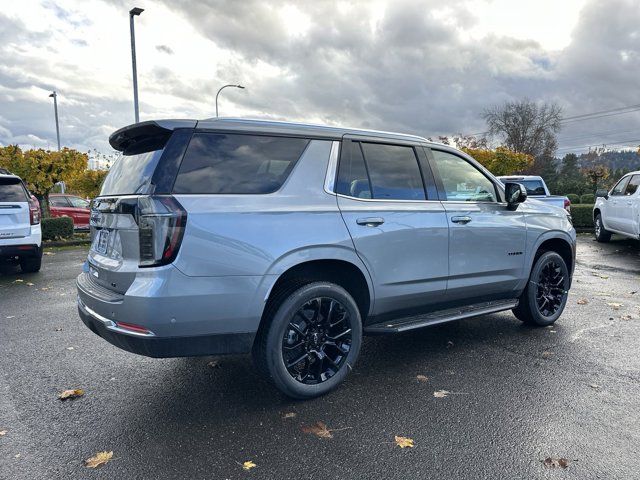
63,205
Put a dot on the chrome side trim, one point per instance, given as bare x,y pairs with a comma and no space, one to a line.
332,167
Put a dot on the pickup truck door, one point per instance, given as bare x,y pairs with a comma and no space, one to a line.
399,228
486,241
630,207
613,206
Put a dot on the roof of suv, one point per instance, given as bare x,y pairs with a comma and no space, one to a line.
126,136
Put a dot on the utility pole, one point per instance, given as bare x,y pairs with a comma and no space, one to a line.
54,95
132,13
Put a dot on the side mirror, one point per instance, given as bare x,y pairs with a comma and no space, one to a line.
515,194
601,193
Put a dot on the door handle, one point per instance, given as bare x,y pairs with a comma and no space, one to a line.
463,220
370,221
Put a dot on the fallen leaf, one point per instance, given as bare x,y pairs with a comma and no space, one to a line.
594,386
633,292
44,288
11,316
58,329
583,301
449,344
98,459
440,394
404,442
48,253
555,462
319,429
3,433
289,415
547,354
248,465
626,317
214,364
70,348
71,394
17,455
600,275
29,283
552,331
18,280
615,306
422,378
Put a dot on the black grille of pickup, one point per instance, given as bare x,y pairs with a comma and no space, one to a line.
93,288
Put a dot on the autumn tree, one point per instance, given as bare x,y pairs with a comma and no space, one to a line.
42,169
87,183
501,161
596,174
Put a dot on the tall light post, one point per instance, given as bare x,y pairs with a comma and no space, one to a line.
222,88
133,13
54,95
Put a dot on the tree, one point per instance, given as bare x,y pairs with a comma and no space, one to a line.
501,161
526,127
464,141
88,183
42,169
595,174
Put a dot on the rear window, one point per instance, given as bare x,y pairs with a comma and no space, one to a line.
131,174
534,187
11,190
237,163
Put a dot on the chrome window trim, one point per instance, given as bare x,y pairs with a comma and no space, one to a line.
332,167
390,200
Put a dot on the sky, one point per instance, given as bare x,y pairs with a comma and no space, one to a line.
424,67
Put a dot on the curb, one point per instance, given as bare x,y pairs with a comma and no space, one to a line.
70,243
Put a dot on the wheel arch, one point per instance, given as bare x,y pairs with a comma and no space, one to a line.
558,242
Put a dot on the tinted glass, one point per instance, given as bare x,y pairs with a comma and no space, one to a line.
233,163
77,202
353,180
131,174
632,186
11,190
620,187
462,181
394,172
533,187
58,202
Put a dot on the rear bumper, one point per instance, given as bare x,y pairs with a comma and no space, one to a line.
164,347
26,250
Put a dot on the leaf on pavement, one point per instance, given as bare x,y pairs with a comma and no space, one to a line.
58,329
583,301
555,462
422,378
18,280
71,394
70,348
615,306
450,344
30,284
48,253
214,364
3,433
289,415
599,275
626,317
547,354
404,442
594,386
248,465
318,429
441,393
98,459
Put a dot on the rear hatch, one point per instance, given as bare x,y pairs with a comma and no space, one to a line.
14,209
135,223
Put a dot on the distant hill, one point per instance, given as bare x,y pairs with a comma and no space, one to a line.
623,160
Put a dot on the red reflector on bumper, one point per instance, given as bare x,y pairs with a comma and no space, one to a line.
25,247
133,328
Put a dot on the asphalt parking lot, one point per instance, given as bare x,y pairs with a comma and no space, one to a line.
516,395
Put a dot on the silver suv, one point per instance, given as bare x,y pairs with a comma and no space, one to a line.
292,241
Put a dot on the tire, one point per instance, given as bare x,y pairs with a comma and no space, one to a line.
545,296
601,234
31,264
318,323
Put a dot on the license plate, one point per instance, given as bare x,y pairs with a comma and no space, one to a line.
102,241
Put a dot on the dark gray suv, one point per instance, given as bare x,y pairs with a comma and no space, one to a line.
292,241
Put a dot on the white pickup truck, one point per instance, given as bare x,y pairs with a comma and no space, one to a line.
618,211
537,189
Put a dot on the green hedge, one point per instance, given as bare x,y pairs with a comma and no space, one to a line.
573,198
588,198
60,227
582,216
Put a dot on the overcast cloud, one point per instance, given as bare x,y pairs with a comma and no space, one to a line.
411,66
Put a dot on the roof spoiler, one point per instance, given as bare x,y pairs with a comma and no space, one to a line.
146,136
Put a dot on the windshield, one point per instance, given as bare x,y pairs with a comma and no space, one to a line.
131,174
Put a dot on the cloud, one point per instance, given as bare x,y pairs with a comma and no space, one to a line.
412,66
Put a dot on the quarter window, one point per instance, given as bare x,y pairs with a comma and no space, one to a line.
462,181
236,163
353,179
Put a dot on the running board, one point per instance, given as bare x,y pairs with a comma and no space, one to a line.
441,316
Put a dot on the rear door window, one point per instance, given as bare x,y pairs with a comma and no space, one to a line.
620,187
11,190
237,163
632,186
58,201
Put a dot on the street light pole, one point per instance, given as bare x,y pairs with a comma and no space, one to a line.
222,88
133,13
54,95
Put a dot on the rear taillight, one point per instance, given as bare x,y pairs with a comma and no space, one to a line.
34,211
161,222
567,205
